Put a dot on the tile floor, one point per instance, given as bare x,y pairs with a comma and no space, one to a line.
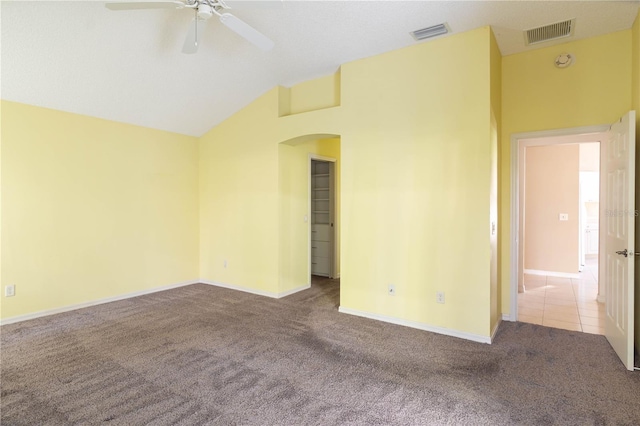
567,303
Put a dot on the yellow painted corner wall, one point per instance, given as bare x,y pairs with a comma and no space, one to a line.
239,199
416,183
241,182
93,209
538,96
294,208
414,128
323,92
496,119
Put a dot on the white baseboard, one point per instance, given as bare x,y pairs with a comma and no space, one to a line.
418,325
68,308
293,290
258,292
239,288
507,317
551,273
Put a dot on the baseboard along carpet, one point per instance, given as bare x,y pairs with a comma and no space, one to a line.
201,355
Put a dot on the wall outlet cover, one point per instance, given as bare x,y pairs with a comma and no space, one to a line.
10,291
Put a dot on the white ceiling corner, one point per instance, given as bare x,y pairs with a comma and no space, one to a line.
80,57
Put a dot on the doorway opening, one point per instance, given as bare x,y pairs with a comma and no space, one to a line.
309,214
322,200
617,215
556,214
560,201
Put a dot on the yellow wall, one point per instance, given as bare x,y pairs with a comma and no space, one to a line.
416,160
294,206
323,92
538,96
239,201
240,189
496,121
93,209
416,183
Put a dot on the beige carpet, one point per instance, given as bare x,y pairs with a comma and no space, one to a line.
205,355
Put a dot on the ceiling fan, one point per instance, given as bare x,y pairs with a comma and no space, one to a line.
203,10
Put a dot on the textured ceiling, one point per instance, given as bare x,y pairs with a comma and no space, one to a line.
127,66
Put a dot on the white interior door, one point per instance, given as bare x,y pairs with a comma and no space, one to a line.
619,175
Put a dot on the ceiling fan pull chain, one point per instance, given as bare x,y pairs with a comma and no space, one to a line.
196,18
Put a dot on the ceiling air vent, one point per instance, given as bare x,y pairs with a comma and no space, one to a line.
549,32
429,32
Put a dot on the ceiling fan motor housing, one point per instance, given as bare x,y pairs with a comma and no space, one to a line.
204,11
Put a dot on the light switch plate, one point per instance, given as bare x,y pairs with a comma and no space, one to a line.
563,216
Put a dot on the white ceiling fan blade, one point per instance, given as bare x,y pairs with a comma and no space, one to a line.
145,4
255,4
194,38
247,31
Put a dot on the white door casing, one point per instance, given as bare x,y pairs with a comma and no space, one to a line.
618,232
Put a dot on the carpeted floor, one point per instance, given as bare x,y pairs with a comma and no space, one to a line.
205,355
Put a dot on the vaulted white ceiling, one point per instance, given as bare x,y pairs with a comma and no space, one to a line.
127,66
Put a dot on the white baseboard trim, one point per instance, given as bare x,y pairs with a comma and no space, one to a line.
601,298
507,317
293,291
68,308
257,292
239,288
551,273
418,325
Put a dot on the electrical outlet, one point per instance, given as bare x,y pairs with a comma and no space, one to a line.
392,290
225,263
563,216
10,290
440,297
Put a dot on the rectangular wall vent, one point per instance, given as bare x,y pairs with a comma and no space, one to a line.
429,32
549,32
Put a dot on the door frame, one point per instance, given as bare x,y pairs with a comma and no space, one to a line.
332,182
519,140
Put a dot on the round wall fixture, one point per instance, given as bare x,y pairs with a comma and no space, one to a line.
563,60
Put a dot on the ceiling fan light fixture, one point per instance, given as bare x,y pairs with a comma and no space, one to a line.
204,11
